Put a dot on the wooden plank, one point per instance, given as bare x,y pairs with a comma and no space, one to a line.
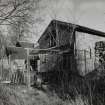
85,60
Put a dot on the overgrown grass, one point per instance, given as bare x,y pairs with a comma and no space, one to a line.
79,100
75,91
82,91
9,97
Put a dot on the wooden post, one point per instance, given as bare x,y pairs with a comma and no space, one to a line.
85,60
38,65
2,68
10,67
90,53
28,69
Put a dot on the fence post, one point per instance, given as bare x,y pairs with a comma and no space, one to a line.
10,67
2,68
28,69
90,53
85,60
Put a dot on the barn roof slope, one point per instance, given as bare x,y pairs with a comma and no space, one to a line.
77,27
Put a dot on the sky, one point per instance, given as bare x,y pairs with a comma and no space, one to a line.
89,13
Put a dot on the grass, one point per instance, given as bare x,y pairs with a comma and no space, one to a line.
9,97
76,91
82,91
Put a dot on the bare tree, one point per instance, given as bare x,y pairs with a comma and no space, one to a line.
17,14
12,10
21,29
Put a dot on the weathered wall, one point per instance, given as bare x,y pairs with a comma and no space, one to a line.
86,42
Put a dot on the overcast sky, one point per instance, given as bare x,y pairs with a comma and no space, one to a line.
90,13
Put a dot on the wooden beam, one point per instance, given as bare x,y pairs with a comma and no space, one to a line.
28,70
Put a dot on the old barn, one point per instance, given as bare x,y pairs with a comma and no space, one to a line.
63,49
72,48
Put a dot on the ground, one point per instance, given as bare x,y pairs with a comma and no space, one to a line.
21,95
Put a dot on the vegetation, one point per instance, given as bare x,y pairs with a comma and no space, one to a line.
82,91
10,97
